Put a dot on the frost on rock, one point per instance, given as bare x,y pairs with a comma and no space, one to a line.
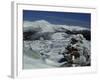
60,53
76,52
47,45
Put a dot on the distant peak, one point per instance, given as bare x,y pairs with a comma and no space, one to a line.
42,21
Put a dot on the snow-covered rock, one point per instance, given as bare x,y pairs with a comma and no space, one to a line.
59,35
44,43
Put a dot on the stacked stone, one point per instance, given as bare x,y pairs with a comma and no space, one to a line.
76,54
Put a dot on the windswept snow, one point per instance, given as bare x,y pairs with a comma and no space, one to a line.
42,24
48,27
44,42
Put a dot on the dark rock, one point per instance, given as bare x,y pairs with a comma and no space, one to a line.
62,60
85,33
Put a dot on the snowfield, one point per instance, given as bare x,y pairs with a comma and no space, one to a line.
45,43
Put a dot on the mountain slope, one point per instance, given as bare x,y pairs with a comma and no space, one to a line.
41,28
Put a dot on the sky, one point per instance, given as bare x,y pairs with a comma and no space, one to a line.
63,18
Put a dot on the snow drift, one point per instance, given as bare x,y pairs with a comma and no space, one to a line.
45,45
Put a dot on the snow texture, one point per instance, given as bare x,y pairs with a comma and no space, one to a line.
48,45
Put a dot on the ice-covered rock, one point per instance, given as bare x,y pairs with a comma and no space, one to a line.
45,45
59,36
77,49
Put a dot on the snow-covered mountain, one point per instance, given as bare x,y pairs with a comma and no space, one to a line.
44,42
41,28
41,24
45,24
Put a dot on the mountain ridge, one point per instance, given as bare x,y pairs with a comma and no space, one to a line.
42,28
